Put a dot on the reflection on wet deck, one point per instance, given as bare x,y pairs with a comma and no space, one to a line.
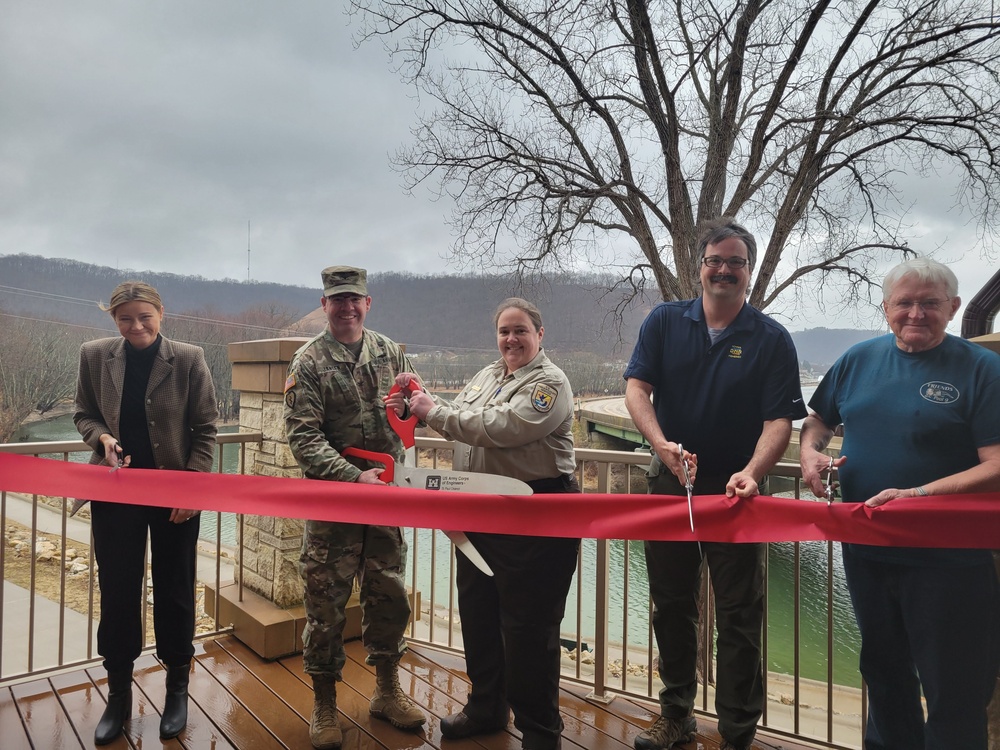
240,701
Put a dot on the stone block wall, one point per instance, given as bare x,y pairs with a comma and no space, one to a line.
270,549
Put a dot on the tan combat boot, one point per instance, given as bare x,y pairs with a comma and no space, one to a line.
324,729
390,702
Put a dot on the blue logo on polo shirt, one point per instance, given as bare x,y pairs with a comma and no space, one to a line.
939,393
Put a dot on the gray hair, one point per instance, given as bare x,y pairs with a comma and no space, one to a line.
722,229
924,270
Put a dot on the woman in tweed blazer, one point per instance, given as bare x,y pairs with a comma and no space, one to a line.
146,402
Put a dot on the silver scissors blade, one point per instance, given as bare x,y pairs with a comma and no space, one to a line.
121,459
462,542
687,485
829,483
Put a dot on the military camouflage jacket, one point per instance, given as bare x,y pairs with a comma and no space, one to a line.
333,402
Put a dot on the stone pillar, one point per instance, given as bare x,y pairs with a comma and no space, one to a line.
267,613
270,545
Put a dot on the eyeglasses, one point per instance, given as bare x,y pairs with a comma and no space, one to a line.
716,261
927,305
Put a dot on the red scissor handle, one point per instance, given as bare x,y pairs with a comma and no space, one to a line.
388,474
404,427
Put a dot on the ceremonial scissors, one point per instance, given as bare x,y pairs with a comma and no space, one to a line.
829,483
408,475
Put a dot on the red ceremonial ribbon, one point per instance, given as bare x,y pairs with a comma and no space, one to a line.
970,521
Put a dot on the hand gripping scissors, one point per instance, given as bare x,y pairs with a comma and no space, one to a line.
408,475
829,483
689,486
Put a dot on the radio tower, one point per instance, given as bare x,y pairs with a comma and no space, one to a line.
248,251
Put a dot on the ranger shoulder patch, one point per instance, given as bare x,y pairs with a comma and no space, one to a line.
543,396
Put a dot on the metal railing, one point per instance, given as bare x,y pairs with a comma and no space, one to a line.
607,633
47,624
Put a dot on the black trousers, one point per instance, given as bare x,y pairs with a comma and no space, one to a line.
120,532
737,573
510,627
926,629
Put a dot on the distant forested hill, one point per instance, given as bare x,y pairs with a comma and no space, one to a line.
444,312
53,280
822,346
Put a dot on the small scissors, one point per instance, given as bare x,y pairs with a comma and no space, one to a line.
689,486
829,483
121,458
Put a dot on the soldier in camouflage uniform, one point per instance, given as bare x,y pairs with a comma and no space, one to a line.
334,400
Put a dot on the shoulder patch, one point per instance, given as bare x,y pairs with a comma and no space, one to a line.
290,382
543,396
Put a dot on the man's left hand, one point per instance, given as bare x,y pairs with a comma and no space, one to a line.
741,484
891,494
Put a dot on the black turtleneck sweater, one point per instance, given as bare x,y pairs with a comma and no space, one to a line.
134,437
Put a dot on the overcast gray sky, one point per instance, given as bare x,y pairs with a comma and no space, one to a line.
145,135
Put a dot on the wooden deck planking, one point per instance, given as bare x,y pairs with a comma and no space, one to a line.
43,717
242,702
15,734
83,704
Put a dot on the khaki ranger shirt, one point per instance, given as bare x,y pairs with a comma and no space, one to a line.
518,426
333,403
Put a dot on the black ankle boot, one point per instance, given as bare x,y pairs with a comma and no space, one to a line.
175,709
119,707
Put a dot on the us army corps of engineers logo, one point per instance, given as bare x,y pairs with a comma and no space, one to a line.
453,483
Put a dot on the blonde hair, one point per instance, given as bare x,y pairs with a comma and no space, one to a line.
132,291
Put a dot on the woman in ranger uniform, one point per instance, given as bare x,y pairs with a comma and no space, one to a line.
514,418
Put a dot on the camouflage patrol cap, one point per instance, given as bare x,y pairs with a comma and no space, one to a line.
345,280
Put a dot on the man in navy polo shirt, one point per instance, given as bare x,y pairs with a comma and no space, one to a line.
724,382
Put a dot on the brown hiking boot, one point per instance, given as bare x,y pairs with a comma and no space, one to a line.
390,703
324,728
664,733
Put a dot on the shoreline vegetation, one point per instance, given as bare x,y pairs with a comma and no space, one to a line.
65,408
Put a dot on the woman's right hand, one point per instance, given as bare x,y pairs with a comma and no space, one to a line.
404,378
113,452
421,403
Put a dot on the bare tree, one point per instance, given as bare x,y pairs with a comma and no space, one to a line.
214,331
604,131
38,368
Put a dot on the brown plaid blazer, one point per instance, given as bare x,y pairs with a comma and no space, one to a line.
180,402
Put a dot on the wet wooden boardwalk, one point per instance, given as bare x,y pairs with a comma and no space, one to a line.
240,701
